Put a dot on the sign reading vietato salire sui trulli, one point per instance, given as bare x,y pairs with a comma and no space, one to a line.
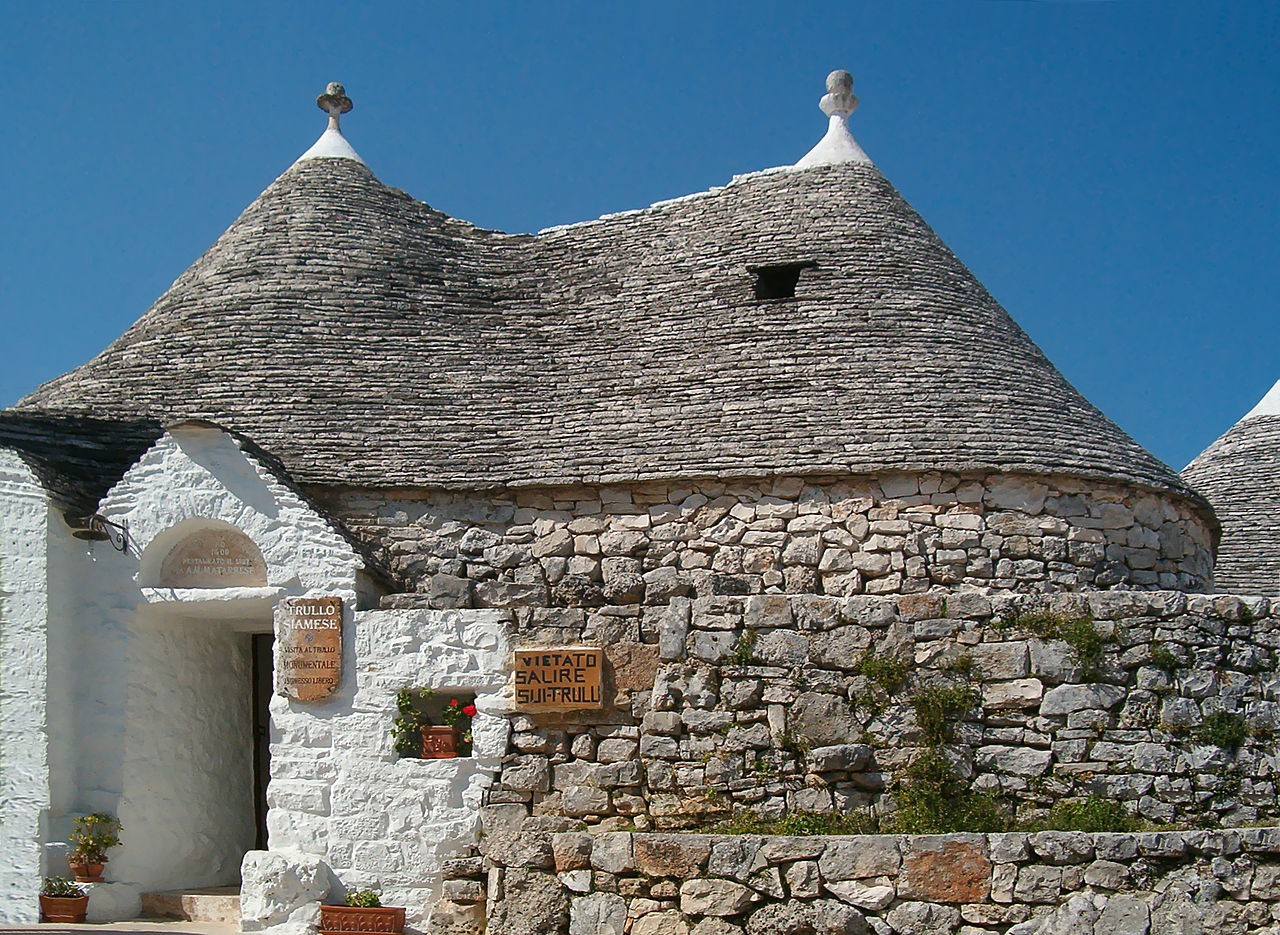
558,679
308,647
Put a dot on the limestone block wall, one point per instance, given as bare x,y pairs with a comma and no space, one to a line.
1050,883
904,533
812,703
25,794
342,800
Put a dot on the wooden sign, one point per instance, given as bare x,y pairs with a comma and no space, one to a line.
308,647
559,679
214,558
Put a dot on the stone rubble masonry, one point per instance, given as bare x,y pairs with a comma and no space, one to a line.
898,534
761,701
1047,883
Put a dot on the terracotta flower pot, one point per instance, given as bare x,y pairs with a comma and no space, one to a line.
336,919
439,741
63,908
87,871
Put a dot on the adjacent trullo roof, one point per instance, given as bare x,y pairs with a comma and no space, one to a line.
370,340
1240,474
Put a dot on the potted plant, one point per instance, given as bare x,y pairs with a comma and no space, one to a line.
457,718
62,901
93,835
417,735
363,912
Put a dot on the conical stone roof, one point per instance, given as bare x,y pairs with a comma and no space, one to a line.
1240,474
369,340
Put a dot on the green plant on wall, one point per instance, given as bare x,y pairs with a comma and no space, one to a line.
1222,729
930,798
938,708
886,672
798,823
741,654
1088,644
1164,660
1093,813
885,676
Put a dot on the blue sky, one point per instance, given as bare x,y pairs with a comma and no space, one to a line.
1108,170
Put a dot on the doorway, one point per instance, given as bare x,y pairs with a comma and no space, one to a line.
262,688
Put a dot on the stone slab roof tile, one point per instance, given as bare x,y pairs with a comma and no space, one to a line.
76,458
1240,475
369,340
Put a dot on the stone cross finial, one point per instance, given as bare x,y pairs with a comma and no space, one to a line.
839,98
334,101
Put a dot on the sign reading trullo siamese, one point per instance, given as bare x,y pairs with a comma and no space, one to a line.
308,647
558,679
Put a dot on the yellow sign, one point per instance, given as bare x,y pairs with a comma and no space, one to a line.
559,679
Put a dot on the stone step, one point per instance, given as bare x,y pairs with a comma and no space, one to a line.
205,904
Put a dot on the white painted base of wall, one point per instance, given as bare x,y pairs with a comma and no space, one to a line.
111,901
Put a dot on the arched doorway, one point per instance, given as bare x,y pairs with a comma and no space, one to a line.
198,758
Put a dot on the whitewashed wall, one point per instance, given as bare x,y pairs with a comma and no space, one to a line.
162,726
155,680
348,813
25,518
188,774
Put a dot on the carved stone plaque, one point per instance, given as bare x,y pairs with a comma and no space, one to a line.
559,679
308,647
214,558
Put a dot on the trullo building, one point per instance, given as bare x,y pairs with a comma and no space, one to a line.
648,491
1238,473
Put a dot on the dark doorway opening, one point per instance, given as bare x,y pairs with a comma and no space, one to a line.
262,686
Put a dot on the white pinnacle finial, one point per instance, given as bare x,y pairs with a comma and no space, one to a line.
332,144
838,145
1269,405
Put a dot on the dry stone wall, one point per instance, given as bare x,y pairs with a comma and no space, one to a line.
1050,883
1167,702
904,533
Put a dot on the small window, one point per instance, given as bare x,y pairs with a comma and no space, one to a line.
778,281
433,724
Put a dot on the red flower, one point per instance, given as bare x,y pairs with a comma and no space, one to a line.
469,710
453,702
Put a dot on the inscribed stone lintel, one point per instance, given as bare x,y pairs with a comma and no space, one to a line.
308,647
213,558
559,678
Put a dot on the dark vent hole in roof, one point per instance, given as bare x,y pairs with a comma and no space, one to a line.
778,281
